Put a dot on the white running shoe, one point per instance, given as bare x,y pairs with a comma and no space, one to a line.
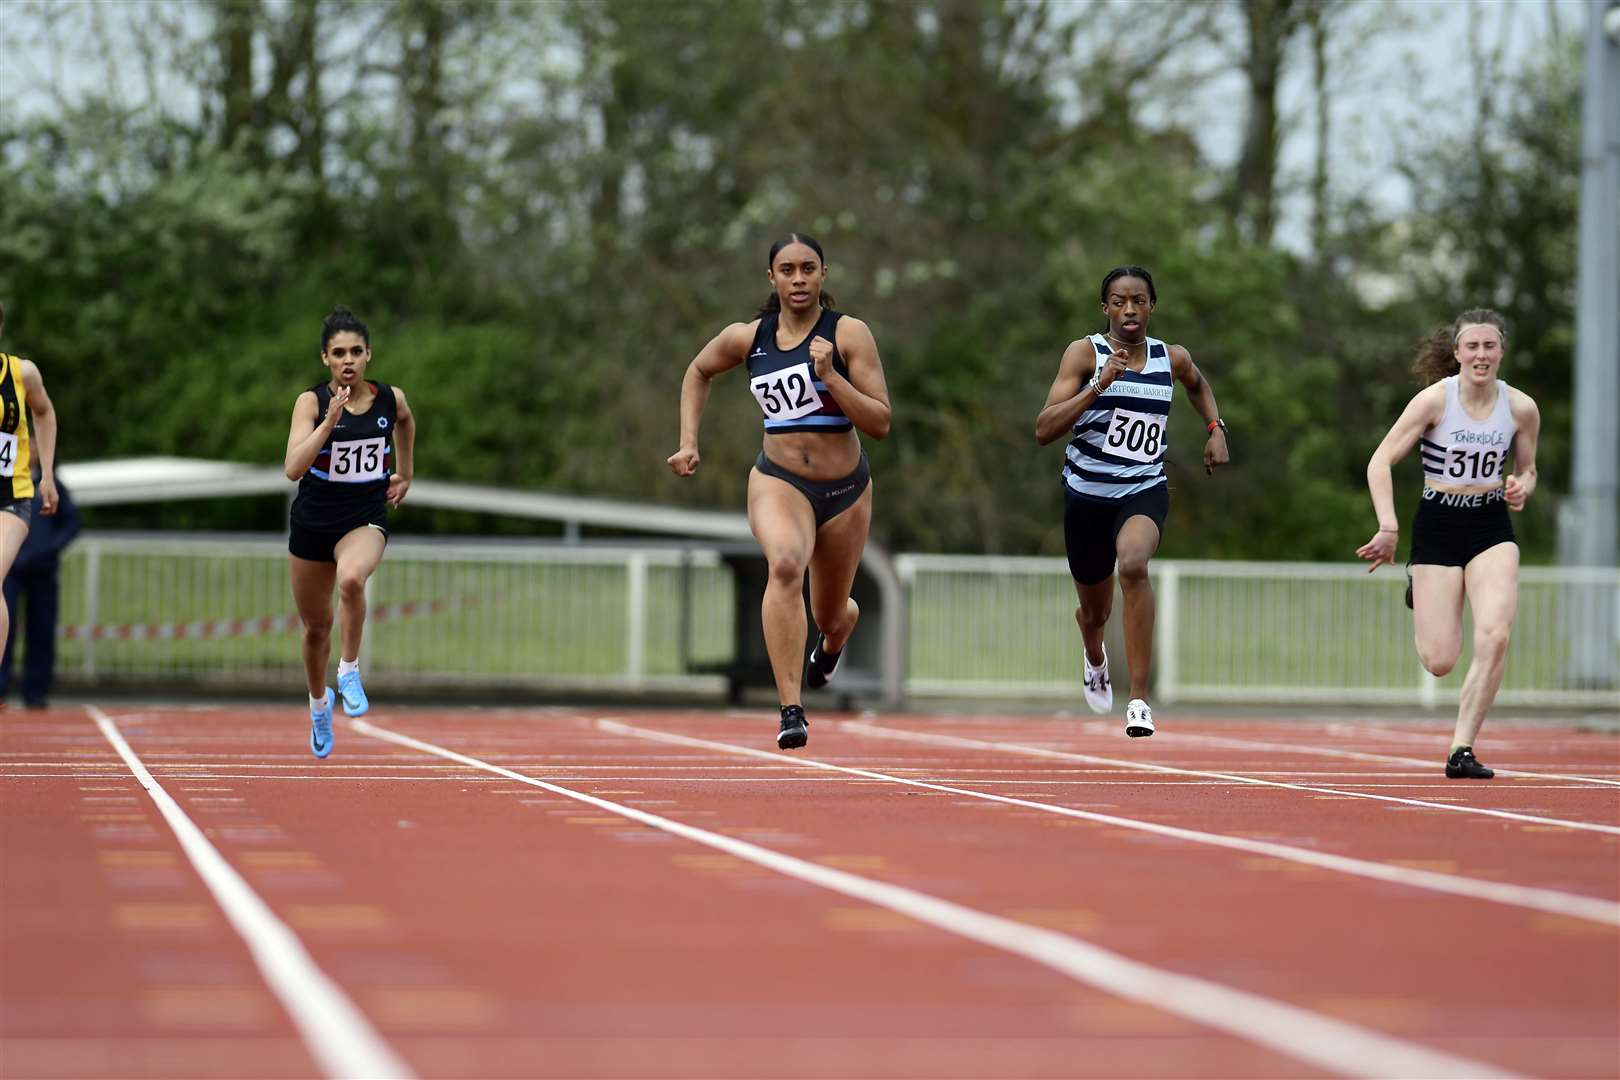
1099,687
1138,718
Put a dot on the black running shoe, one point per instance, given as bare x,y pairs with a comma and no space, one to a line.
819,671
1463,765
795,730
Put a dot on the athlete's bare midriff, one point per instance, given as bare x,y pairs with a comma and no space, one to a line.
815,455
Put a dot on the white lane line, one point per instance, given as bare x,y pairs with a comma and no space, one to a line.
904,735
1591,908
1333,1045
337,1035
1362,755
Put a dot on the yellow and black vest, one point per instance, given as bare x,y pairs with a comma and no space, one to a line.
16,477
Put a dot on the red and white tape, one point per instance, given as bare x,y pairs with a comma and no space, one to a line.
226,628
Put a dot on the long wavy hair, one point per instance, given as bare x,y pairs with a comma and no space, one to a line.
1437,353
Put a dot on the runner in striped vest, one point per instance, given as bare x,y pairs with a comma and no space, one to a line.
1113,392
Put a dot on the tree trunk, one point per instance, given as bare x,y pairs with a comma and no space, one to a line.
1270,24
236,20
1317,19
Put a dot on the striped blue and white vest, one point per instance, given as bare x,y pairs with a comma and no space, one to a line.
1119,443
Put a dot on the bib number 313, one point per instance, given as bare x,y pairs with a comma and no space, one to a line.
1134,435
356,461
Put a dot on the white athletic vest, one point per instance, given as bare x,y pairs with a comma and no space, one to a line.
1464,451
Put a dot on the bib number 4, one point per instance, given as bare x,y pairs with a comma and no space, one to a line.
786,394
357,461
1134,435
8,454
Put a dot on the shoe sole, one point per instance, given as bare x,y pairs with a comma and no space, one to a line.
792,740
1137,731
361,711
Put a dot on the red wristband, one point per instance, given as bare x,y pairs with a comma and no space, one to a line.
1213,424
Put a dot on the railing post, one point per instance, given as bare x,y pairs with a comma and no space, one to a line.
635,663
1168,625
1428,688
92,583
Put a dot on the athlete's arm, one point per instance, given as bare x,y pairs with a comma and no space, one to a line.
39,403
404,449
1202,396
1521,483
1071,393
864,396
724,351
310,433
1422,412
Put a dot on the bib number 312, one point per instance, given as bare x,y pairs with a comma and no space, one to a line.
1134,435
786,394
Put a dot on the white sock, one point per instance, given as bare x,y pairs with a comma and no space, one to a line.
348,667
317,703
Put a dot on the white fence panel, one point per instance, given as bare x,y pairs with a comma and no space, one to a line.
1240,631
217,610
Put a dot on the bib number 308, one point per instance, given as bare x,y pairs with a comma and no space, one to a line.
1134,435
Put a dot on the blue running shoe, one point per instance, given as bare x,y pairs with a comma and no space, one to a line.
320,727
354,695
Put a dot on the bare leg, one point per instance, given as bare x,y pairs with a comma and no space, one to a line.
312,593
13,531
1138,539
1096,604
1437,599
358,554
1492,582
785,527
833,563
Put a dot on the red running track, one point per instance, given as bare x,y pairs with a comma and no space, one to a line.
577,893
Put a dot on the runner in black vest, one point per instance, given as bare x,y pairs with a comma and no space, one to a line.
818,379
350,449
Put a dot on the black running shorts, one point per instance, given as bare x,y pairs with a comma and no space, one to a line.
1090,527
1449,528
828,498
319,545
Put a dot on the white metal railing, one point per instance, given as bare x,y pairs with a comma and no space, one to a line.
1243,631
219,609
209,609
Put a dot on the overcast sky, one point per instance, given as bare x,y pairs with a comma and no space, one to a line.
1416,79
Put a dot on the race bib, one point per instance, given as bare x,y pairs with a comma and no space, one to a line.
1134,435
786,394
8,454
356,461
